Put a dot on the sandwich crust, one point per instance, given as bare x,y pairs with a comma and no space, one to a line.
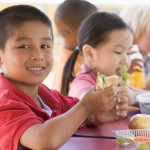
108,81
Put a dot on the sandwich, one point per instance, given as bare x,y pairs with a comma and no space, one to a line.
104,81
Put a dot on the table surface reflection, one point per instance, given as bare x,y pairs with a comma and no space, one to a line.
93,144
99,138
107,128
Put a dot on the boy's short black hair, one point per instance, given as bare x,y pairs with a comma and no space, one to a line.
72,12
13,16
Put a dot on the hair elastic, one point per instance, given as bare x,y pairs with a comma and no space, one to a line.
78,48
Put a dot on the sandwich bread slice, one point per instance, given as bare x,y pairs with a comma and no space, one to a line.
104,81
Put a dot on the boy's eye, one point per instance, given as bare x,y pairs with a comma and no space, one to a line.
45,46
24,46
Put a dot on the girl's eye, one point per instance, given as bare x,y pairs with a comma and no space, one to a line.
118,53
24,46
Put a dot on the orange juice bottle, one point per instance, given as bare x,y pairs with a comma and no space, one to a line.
137,78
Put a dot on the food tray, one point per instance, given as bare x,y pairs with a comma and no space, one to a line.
126,137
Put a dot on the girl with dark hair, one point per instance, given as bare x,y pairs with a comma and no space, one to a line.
105,41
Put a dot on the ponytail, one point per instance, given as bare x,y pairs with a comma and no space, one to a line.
68,75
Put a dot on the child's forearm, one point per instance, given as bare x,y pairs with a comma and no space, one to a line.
93,121
101,119
54,132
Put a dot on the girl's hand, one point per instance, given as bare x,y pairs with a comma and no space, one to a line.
119,111
121,108
123,99
125,92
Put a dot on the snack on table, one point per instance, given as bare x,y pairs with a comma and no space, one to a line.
139,121
142,146
138,138
125,139
104,81
142,143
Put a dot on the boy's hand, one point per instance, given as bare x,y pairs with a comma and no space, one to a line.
99,102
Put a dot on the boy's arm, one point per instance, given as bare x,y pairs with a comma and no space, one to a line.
55,132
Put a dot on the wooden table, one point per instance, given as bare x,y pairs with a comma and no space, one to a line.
104,130
99,138
93,144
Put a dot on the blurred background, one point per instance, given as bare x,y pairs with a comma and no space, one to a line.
49,7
